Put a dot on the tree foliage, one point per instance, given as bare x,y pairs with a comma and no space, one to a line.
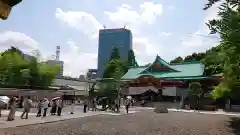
15,71
114,54
179,59
113,71
195,89
131,59
211,58
228,27
115,65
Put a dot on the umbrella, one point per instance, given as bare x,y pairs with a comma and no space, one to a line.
4,99
129,97
56,98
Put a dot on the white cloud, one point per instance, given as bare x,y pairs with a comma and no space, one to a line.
17,39
87,23
77,62
126,6
200,40
150,11
136,20
165,34
147,14
23,42
81,21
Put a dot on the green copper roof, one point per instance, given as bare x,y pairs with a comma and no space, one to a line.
183,70
161,61
133,73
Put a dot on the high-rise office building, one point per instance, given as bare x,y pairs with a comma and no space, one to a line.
108,39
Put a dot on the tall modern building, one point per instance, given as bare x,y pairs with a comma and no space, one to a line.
56,61
108,39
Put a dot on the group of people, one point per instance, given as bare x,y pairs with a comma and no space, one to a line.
56,107
42,106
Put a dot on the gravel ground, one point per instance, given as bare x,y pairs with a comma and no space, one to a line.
141,123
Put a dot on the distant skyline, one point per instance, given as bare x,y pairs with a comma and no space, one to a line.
166,28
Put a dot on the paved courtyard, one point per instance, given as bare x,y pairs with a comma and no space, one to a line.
78,113
140,123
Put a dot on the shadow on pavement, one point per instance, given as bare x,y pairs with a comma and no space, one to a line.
234,125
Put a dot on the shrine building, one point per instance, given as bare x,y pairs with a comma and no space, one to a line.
171,80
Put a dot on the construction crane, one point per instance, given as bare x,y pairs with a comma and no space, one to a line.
6,7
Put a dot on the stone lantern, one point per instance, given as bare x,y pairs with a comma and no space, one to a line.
6,7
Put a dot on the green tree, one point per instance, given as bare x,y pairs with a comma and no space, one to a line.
195,89
114,54
228,27
114,63
12,62
113,66
34,73
131,59
177,60
113,71
195,93
15,71
47,74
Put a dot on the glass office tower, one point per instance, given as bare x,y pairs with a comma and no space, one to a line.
109,38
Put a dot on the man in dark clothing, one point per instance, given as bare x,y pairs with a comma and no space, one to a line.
85,106
40,106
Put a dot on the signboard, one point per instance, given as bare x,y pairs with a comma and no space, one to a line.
5,10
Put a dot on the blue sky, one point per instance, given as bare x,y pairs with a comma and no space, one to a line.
169,28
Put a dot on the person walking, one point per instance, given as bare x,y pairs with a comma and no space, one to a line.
54,107
85,106
117,106
27,104
127,104
12,106
45,106
72,106
59,106
94,104
39,107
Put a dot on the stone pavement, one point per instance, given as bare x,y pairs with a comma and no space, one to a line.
219,112
65,116
79,113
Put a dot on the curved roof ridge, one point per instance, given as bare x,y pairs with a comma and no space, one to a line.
162,60
159,59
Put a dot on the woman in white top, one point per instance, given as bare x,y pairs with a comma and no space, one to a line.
45,106
59,107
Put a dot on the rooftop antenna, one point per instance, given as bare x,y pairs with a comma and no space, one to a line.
124,26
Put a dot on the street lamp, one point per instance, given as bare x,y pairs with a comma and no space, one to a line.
6,7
